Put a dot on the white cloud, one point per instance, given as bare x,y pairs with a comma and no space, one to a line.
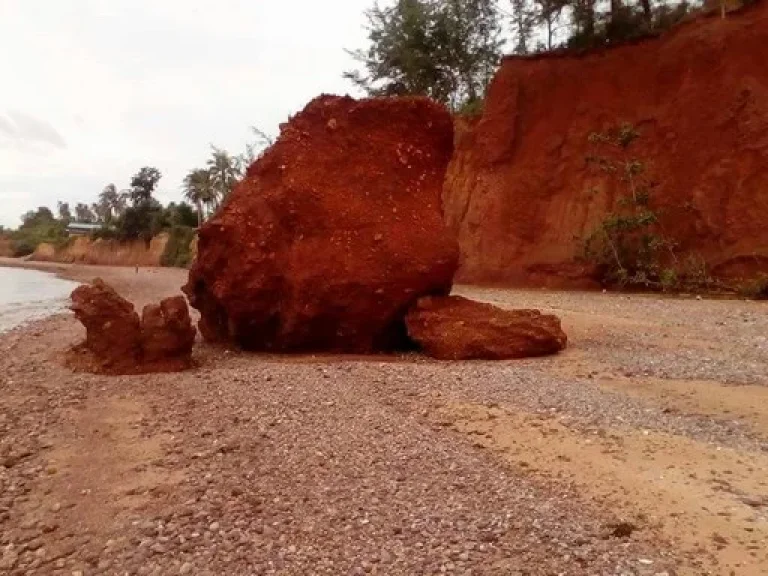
105,87
19,130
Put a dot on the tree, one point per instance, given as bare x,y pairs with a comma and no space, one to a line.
83,213
647,11
65,214
143,184
471,30
446,49
181,214
402,55
198,189
524,19
547,15
102,212
584,22
224,174
254,149
37,226
41,216
111,203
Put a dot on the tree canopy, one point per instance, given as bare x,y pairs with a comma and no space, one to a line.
143,184
446,49
449,49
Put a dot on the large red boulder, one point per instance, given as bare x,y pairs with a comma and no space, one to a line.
334,233
454,328
118,342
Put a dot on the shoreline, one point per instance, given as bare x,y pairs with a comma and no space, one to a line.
77,272
64,270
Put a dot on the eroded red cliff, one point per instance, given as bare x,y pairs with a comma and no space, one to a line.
521,194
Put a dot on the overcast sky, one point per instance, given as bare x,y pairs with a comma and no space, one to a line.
92,90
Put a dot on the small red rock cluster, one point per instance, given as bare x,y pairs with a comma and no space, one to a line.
337,231
119,342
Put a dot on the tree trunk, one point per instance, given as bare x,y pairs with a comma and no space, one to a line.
587,17
549,31
647,13
199,213
615,15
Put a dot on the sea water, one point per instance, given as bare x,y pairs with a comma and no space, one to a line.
29,295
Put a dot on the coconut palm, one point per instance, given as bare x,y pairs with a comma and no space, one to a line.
111,203
199,190
225,173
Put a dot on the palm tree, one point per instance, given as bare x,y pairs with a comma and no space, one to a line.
254,150
199,190
225,173
111,203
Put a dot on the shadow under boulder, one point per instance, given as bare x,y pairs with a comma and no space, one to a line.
119,342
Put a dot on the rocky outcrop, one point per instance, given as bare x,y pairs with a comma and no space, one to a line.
454,328
118,342
520,192
104,252
112,326
166,330
334,233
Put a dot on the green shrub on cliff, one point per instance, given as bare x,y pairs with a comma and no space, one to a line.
177,253
37,226
628,247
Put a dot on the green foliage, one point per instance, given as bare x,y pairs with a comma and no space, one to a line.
110,204
143,185
37,226
627,247
224,171
65,214
592,26
524,20
471,109
107,233
83,213
141,222
254,150
181,214
199,190
446,49
206,188
757,288
177,253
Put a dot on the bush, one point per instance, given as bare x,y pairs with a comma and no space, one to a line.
37,228
106,233
23,247
627,247
177,253
757,288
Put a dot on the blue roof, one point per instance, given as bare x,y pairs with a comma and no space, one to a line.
83,226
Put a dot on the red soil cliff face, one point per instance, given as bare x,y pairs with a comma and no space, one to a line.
520,192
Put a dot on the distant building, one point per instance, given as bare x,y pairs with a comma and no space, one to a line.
82,228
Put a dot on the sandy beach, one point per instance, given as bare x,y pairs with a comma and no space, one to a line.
640,450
